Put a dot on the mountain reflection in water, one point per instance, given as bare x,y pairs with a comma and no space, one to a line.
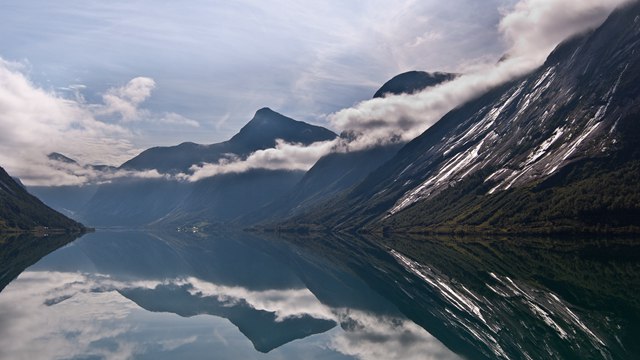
238,295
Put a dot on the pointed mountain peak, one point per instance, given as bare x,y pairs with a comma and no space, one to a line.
61,158
412,81
268,125
266,111
268,117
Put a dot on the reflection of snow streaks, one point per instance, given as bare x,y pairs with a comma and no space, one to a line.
487,320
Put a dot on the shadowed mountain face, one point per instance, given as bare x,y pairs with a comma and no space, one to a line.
553,151
412,82
21,211
260,133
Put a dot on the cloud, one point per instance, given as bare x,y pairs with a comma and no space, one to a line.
177,119
535,27
125,100
284,156
365,335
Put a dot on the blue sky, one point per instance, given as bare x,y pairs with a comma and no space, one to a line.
217,62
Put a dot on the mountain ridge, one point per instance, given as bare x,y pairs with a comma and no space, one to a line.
259,133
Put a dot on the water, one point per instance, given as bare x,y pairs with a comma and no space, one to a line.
121,295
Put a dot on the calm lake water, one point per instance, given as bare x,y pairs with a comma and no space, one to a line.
122,295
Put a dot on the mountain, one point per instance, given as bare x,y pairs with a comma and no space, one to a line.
554,151
224,198
21,211
61,158
219,199
260,133
337,172
411,82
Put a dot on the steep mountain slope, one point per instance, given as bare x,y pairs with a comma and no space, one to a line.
21,211
224,198
336,172
260,133
555,150
135,201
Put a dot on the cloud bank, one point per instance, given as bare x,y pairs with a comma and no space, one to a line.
284,156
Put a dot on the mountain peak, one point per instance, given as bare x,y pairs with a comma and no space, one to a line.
260,133
61,158
267,125
266,110
411,82
266,116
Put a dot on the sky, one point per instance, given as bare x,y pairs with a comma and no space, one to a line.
217,62
102,80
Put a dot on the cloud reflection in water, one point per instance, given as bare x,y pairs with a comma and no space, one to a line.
49,314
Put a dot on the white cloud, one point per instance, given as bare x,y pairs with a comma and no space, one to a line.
177,119
126,99
534,27
284,156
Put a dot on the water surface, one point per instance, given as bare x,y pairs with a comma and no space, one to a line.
120,295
